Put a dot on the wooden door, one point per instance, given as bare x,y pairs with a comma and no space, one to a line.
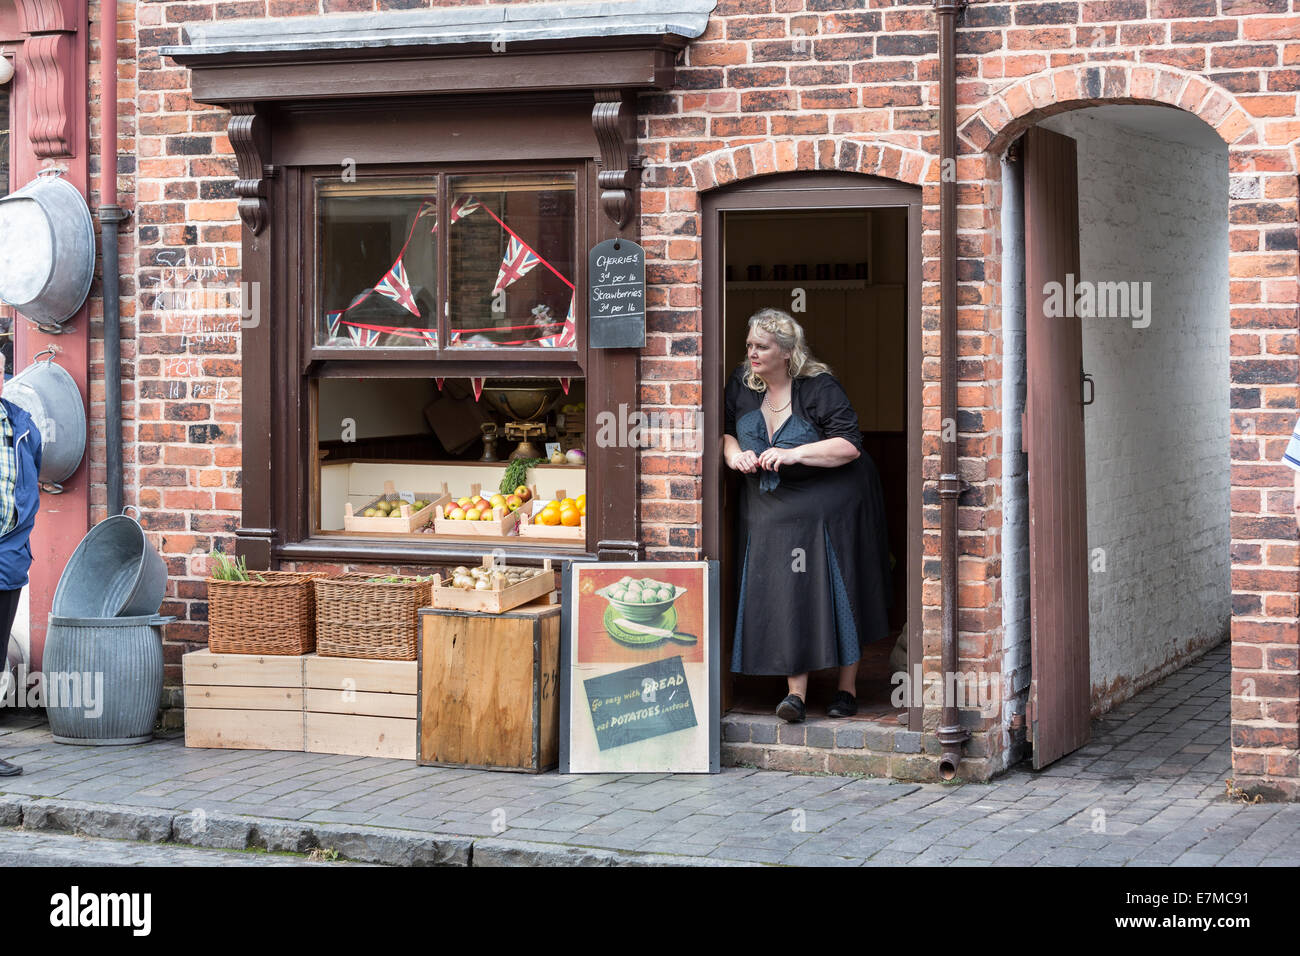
1053,438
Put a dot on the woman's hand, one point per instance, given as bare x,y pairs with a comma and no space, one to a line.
745,462
773,458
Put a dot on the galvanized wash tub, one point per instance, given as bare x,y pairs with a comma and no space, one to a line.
46,274
114,572
103,678
50,395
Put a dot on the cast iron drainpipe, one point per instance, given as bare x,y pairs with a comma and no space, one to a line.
951,734
110,214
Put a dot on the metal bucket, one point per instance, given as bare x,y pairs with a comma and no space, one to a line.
50,395
103,678
114,572
47,266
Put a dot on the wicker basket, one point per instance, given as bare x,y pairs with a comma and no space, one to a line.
357,618
275,616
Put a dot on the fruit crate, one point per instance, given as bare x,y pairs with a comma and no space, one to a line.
411,520
530,527
501,596
502,522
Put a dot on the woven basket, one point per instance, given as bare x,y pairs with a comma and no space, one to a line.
275,616
355,618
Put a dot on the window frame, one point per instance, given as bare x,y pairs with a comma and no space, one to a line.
454,359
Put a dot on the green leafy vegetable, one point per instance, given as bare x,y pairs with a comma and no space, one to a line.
517,473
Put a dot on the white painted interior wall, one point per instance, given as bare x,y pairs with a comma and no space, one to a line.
1151,208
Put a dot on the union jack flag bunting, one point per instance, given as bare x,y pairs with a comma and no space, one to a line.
430,338
428,208
478,387
519,261
461,208
397,287
333,319
363,337
567,337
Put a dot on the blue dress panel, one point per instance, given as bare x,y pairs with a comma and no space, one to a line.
814,579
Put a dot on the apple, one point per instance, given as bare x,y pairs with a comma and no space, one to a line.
488,516
456,514
498,501
473,514
514,502
523,492
464,502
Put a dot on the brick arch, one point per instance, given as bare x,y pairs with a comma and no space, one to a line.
1007,113
735,163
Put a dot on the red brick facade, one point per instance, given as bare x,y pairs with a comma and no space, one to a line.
773,86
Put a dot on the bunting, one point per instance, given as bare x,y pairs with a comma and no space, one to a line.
519,261
478,387
363,336
397,287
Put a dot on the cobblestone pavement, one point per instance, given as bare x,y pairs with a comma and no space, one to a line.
1148,789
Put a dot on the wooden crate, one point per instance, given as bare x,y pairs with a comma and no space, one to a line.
365,708
489,688
502,523
500,597
243,701
529,528
410,522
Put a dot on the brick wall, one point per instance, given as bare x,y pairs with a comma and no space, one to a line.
784,85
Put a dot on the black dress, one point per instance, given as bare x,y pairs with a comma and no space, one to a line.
814,572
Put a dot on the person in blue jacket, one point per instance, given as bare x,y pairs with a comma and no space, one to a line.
20,463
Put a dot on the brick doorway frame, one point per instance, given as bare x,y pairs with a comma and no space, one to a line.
1264,368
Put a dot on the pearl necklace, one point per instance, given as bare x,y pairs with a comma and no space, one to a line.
777,411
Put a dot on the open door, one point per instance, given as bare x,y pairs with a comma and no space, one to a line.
1053,436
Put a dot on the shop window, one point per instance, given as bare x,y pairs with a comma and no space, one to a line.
510,242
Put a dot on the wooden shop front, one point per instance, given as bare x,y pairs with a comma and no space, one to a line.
416,221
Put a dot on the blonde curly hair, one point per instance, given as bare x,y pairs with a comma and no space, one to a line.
789,339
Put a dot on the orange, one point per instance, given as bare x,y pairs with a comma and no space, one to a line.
570,518
549,517
568,503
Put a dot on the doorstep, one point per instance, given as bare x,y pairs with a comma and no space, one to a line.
874,747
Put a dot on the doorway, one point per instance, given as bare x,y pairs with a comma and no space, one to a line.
841,254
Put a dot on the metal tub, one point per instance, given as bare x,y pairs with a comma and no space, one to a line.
50,395
103,678
47,266
114,572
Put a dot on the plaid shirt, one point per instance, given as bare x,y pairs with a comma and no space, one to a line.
8,474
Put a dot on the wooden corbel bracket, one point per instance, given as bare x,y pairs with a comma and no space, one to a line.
251,142
620,173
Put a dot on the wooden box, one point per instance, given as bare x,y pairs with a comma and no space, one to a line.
243,701
365,708
501,597
530,528
489,688
410,521
503,519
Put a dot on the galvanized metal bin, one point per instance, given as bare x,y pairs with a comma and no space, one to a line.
46,274
103,678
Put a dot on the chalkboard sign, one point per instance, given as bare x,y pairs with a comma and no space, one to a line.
616,295
639,703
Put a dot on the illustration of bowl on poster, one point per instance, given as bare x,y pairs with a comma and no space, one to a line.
639,665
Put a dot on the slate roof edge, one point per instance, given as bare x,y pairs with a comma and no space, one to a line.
447,26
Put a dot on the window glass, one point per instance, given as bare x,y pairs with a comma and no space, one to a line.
378,270
512,260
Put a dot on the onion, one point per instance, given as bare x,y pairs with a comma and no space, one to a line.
576,456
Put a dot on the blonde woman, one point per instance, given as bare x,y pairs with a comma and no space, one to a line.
814,575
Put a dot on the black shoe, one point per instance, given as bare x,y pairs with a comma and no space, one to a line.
8,769
791,710
844,704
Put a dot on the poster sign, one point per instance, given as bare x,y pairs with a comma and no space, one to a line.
639,667
616,295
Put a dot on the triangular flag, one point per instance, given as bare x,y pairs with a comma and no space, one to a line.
333,319
518,262
439,381
395,286
430,337
564,383
478,387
